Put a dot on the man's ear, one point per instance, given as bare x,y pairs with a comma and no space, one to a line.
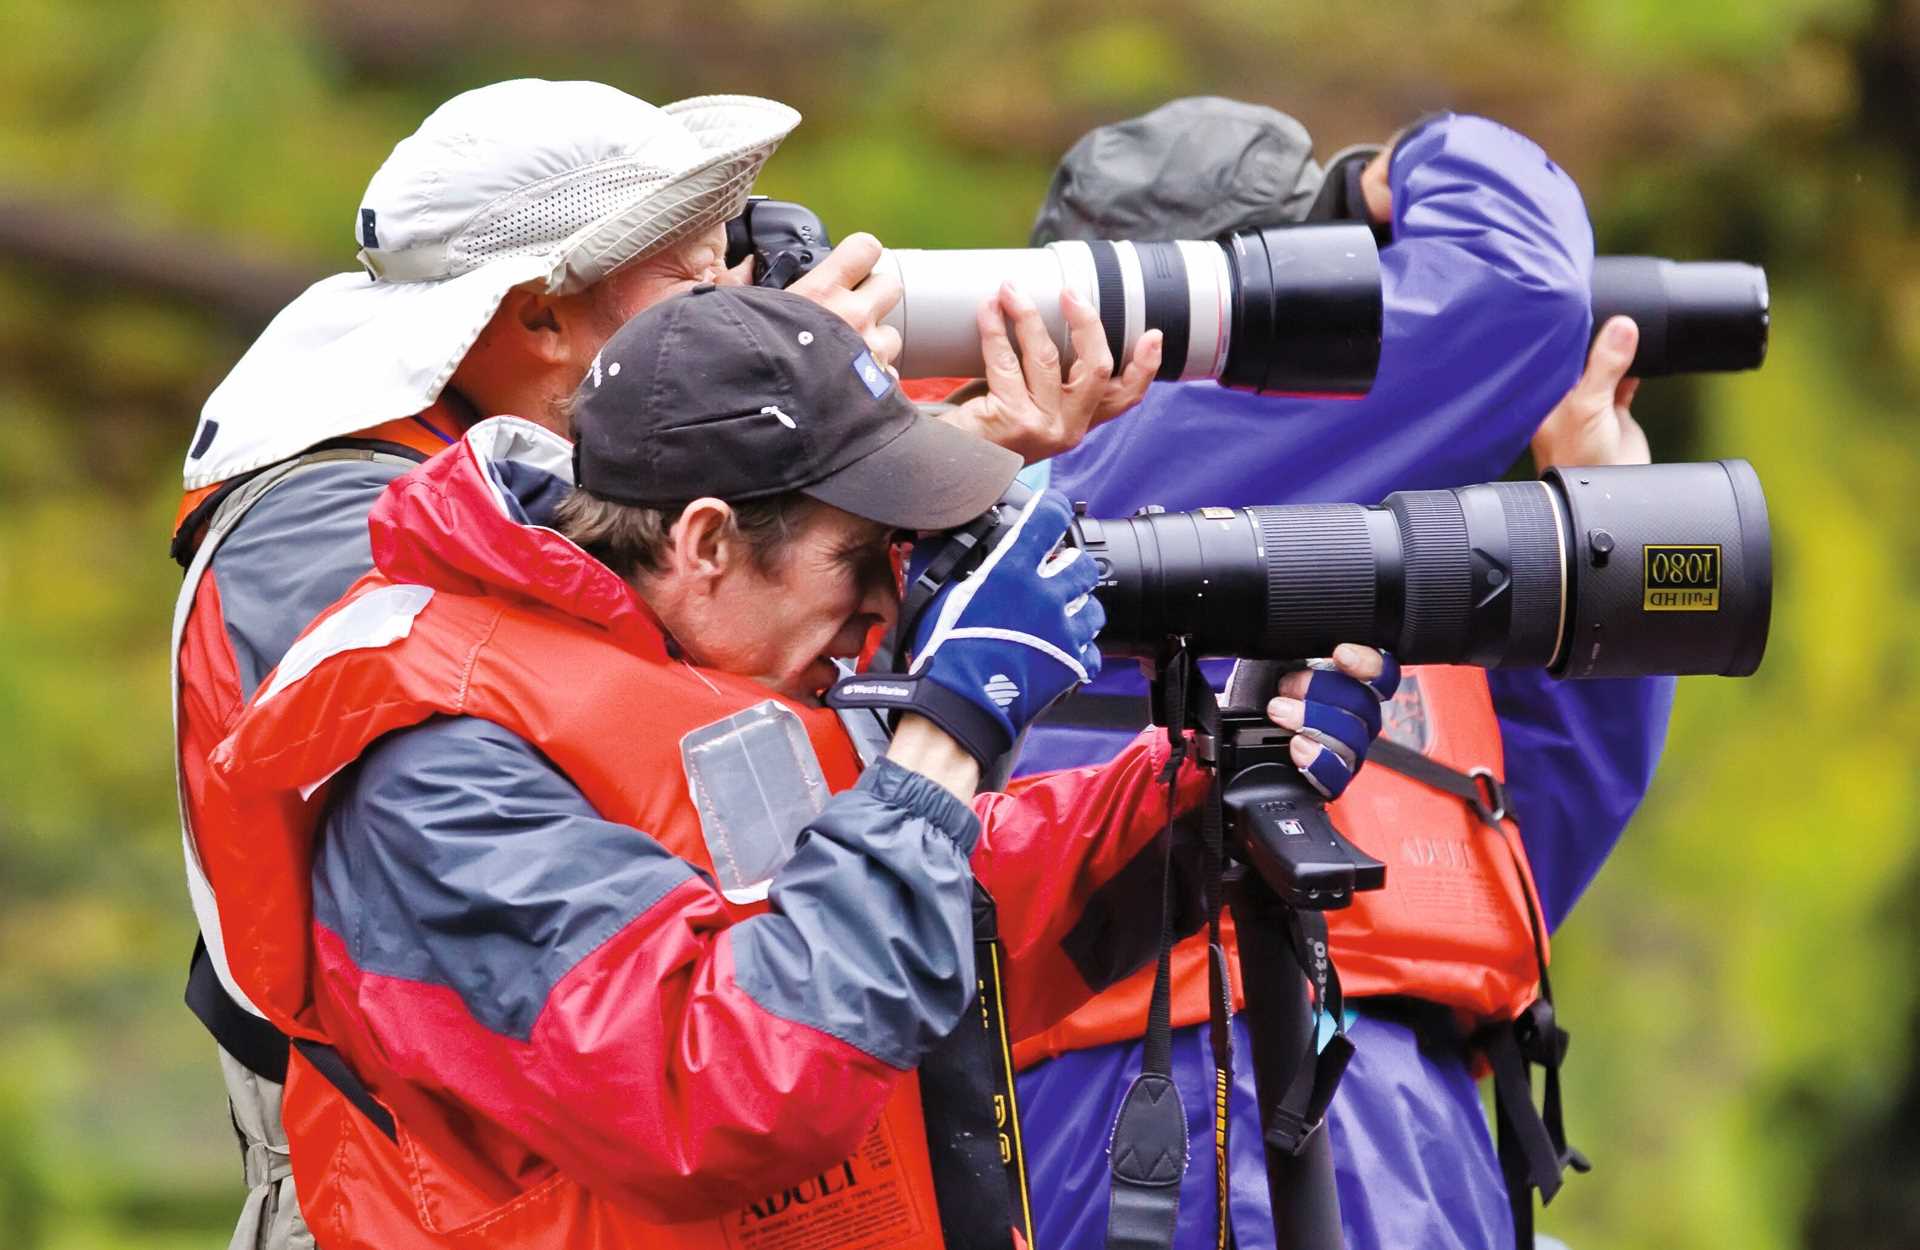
703,541
540,323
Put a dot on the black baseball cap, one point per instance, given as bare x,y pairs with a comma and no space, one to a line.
743,392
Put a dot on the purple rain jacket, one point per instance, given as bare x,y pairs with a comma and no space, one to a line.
1486,325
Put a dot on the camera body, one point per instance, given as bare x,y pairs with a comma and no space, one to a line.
785,239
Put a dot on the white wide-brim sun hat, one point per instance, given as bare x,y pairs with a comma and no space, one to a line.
529,182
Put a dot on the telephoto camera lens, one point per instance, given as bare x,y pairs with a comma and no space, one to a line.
1708,316
1280,310
1613,571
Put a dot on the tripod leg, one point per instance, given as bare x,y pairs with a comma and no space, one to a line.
1306,1205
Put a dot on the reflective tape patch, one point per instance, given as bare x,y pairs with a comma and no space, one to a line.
1406,717
378,618
755,782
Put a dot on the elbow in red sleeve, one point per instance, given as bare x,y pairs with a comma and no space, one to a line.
649,1075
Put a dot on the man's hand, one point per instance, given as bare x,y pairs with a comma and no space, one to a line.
1027,407
1334,712
1377,190
995,647
845,285
1593,423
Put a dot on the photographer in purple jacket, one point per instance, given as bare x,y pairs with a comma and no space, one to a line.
1485,265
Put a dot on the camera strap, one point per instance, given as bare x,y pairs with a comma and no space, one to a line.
1203,710
967,1091
967,1095
1148,1158
1531,1141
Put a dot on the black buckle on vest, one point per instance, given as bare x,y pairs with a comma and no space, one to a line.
1541,1039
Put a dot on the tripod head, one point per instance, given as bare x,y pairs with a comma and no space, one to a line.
1293,866
1277,823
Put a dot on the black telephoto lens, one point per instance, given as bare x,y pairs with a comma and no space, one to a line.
1707,316
1595,572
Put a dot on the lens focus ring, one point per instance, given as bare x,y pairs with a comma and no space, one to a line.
1321,578
1439,572
1164,281
1112,294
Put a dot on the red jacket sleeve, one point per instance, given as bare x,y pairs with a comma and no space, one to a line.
1058,850
497,961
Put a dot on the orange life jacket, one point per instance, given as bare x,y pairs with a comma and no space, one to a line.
578,694
1452,925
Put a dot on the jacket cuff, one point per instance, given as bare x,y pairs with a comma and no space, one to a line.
921,796
1398,169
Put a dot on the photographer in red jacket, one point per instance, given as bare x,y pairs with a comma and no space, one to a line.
591,926
499,244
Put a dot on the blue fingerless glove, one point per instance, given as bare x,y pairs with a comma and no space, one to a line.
1342,714
994,648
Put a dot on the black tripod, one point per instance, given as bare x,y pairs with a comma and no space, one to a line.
1274,857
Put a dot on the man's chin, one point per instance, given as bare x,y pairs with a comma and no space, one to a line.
809,684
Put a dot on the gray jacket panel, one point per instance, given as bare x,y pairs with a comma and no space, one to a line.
291,556
455,854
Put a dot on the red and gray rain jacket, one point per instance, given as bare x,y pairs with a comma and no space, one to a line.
265,552
452,839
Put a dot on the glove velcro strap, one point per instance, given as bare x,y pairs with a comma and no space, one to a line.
979,733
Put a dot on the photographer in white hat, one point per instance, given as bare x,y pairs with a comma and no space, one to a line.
501,245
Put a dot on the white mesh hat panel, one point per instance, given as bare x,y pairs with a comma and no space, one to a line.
487,146
696,203
539,219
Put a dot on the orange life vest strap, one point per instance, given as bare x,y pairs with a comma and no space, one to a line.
417,437
1532,1141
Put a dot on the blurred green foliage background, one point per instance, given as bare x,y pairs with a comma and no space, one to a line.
1741,979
